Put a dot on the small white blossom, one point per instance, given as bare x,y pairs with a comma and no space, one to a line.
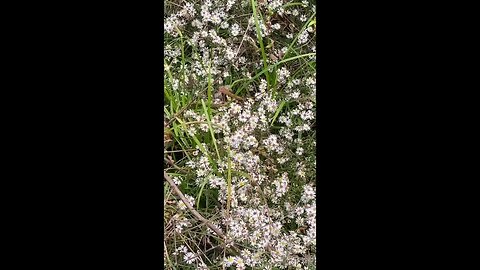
283,74
235,30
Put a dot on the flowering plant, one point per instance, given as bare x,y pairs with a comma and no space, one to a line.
241,187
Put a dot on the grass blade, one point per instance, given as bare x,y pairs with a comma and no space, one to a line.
259,37
207,115
279,109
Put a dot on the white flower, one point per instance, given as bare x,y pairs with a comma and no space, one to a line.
182,249
282,160
274,4
235,108
190,199
204,127
308,194
263,85
295,94
283,74
303,38
229,53
190,257
224,25
235,30
181,205
177,180
198,24
229,261
191,131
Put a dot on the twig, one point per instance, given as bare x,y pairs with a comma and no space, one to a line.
166,252
170,162
192,210
243,38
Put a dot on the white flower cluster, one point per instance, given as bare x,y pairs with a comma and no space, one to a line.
250,220
281,187
272,143
283,74
180,222
235,30
274,4
303,38
189,257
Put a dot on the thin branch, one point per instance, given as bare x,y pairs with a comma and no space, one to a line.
192,210
170,162
166,252
190,207
243,38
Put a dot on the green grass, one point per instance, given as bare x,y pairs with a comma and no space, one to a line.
260,39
